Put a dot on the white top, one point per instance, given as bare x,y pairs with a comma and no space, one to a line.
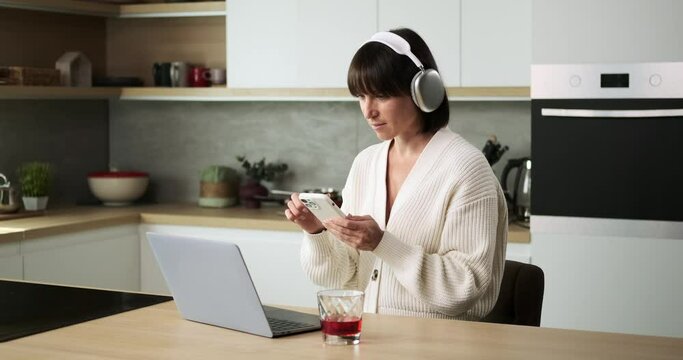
443,249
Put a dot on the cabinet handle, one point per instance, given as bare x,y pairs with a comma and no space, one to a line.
587,113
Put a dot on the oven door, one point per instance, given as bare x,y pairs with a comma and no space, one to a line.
608,158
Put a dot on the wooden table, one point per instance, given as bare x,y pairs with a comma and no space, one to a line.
158,332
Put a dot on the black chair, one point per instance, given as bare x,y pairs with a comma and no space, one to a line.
521,295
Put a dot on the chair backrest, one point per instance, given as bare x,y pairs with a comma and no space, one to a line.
521,295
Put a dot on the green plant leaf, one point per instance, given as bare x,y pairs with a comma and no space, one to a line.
35,178
262,170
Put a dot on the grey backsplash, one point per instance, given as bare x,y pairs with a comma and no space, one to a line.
72,135
173,141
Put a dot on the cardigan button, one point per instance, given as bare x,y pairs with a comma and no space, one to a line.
375,273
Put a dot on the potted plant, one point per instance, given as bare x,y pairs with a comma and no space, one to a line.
35,179
256,172
218,186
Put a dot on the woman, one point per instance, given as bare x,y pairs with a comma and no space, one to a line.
426,229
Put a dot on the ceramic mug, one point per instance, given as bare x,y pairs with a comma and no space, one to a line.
200,77
217,76
179,74
162,74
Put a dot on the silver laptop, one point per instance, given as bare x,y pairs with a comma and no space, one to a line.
210,284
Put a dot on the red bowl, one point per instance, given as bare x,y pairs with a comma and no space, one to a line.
117,174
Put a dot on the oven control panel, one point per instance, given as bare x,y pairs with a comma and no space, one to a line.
607,81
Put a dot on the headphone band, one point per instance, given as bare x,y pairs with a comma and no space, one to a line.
396,43
426,88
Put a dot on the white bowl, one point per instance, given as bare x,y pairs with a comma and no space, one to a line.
118,188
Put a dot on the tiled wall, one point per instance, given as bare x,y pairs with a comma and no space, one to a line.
72,135
173,141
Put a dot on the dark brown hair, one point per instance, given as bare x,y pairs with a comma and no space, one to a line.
378,70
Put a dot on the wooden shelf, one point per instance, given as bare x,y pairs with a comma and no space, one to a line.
467,93
190,9
57,92
310,94
78,7
63,6
226,94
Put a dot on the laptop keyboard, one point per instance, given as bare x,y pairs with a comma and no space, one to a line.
285,325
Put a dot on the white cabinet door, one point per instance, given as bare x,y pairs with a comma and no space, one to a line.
437,22
103,258
272,258
11,263
496,42
611,283
295,43
518,252
607,31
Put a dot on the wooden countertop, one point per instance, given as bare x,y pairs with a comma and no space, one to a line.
60,221
158,332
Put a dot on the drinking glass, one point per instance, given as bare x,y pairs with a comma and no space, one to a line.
341,314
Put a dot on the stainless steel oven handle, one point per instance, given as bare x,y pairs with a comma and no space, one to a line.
587,113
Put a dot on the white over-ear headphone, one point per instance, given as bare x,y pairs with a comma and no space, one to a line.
426,88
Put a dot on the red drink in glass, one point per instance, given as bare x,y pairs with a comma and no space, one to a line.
341,314
341,327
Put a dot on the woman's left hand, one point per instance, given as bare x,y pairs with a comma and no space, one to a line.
359,232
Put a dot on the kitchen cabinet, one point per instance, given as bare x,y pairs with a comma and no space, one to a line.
295,43
272,258
496,43
11,261
103,258
274,50
620,283
135,44
607,31
437,22
298,50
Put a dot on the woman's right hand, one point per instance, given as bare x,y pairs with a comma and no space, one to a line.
297,213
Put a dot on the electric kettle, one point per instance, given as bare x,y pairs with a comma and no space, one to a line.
9,200
519,198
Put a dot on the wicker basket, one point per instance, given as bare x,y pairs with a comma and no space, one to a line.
20,75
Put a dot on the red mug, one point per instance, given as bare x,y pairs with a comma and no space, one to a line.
200,77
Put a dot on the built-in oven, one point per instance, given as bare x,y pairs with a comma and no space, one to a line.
607,200
607,141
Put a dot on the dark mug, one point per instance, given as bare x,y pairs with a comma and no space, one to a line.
179,74
162,74
200,77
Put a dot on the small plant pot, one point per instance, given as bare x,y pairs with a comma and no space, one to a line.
250,192
35,203
216,194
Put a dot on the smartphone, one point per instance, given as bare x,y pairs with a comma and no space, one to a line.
321,206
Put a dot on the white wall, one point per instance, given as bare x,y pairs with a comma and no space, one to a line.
593,31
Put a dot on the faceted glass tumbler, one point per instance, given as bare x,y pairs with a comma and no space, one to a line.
341,316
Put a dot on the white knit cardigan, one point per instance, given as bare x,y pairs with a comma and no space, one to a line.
443,248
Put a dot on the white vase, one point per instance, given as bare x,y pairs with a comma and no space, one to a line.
35,203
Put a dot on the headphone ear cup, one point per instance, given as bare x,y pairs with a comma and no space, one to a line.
427,90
